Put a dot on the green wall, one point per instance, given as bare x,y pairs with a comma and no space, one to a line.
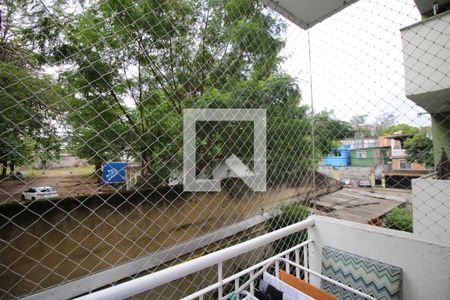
441,134
373,157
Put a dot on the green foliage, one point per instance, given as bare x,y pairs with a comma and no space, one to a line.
361,127
131,77
403,128
286,121
399,219
30,101
329,132
173,73
287,127
29,108
47,146
290,214
419,148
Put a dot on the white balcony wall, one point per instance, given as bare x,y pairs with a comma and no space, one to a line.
425,265
431,209
426,52
398,153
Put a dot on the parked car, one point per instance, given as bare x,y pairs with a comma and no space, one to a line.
42,192
20,175
364,183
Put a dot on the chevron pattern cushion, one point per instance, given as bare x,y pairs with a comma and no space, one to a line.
380,280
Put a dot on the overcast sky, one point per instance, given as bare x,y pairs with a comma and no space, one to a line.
357,61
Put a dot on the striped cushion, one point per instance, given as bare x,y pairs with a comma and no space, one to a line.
380,280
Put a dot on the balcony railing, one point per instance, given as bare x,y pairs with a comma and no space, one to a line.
148,282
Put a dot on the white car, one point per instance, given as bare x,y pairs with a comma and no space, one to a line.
41,192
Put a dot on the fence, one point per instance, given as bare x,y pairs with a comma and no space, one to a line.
109,83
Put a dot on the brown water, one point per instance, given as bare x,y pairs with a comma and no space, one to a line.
48,243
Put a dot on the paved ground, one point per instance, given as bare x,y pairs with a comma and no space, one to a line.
65,185
361,205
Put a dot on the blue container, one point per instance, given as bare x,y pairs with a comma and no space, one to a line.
114,172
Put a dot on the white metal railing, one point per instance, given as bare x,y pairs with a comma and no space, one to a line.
264,264
153,280
283,257
298,267
148,282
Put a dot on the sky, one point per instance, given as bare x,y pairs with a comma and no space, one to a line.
356,62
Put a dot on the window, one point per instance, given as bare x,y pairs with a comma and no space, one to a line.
361,154
405,165
372,144
359,144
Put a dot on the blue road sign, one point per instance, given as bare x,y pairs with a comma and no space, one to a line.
114,172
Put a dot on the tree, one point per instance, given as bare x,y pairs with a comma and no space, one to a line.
403,128
128,101
30,100
47,146
288,127
383,122
28,106
330,131
419,148
361,127
130,70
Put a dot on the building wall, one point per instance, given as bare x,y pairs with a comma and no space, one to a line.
425,265
339,158
396,165
351,172
441,134
431,209
361,143
388,142
373,157
426,53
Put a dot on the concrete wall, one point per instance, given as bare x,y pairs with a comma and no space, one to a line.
414,166
425,265
353,173
431,209
441,134
426,53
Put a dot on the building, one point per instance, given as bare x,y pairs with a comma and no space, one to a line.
358,152
398,153
427,80
420,260
400,171
339,157
369,157
361,143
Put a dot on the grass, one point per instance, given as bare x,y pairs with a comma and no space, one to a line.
53,172
399,219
